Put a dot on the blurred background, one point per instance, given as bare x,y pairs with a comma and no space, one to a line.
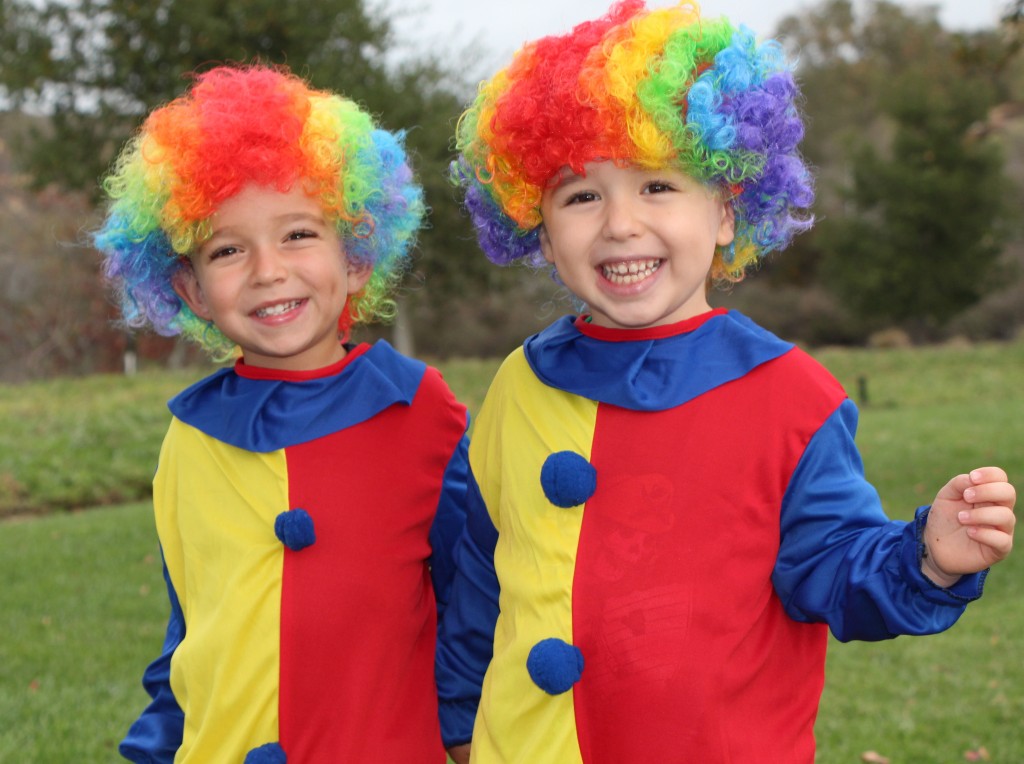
915,127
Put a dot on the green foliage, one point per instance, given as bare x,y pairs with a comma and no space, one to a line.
911,205
95,67
90,70
929,212
906,232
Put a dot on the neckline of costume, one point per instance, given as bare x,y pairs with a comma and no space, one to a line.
248,371
264,409
634,370
660,332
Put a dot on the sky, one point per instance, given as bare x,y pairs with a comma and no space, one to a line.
497,28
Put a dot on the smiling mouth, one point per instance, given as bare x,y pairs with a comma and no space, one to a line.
277,310
632,272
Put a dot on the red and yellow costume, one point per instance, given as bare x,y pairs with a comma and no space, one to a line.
302,518
676,515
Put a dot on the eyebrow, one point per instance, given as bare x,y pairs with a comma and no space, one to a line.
283,218
316,217
567,179
300,217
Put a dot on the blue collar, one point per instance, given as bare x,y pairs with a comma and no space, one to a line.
263,411
650,369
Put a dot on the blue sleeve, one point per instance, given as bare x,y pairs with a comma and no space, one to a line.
155,736
466,630
449,522
843,562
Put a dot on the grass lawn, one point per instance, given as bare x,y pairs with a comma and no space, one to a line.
83,608
68,443
83,604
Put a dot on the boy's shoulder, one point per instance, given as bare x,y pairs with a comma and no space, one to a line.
263,412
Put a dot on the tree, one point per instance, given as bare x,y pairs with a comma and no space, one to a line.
455,301
94,68
911,212
927,214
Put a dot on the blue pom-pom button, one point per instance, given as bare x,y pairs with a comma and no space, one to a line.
554,665
568,479
271,753
295,529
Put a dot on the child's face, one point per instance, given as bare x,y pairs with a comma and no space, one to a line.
635,245
274,279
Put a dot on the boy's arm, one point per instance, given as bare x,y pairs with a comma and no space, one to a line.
843,562
970,525
449,522
459,753
156,735
466,625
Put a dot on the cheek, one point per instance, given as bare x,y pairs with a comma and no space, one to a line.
213,291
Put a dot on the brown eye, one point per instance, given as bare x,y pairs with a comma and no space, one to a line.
581,197
222,252
658,187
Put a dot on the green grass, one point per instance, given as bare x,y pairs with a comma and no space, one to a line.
84,608
69,443
932,412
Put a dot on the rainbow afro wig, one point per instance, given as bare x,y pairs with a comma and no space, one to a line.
644,88
261,125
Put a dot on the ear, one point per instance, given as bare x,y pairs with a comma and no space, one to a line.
358,275
545,244
727,225
186,286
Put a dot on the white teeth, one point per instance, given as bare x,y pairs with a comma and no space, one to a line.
632,272
277,310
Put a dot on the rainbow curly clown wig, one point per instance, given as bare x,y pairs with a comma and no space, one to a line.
259,125
646,88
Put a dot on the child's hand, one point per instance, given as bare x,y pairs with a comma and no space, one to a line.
459,753
970,525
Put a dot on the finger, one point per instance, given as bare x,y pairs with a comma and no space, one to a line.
999,542
955,488
993,516
988,475
991,493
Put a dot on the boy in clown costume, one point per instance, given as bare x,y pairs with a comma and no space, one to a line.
671,496
307,499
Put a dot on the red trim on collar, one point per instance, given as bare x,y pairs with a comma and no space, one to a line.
243,369
648,333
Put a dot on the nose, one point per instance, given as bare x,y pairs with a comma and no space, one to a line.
267,265
622,219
